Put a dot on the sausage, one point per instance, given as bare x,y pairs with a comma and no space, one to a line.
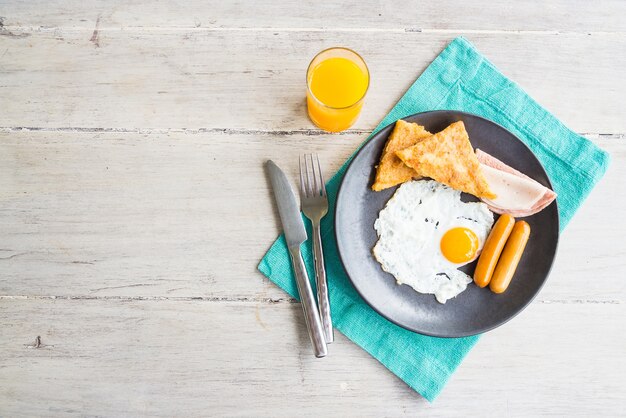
510,257
492,249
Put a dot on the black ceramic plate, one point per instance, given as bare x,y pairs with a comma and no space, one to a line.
475,310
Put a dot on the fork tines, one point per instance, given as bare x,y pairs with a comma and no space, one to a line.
311,176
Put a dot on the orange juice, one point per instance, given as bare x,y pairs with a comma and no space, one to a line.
337,81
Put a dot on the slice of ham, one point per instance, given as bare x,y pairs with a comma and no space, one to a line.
513,192
536,196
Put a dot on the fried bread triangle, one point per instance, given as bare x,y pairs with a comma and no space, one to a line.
391,171
448,157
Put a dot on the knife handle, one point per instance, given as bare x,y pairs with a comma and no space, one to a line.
323,301
311,314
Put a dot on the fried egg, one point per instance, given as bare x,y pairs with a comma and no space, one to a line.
425,233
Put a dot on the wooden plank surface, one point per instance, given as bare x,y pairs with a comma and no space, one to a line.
255,80
129,214
125,214
123,125
365,15
166,358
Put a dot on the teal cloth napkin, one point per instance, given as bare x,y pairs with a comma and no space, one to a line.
460,78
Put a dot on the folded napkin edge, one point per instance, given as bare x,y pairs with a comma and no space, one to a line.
528,127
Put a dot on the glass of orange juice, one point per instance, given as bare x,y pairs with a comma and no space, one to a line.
337,80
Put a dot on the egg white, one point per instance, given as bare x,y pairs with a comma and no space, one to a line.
410,228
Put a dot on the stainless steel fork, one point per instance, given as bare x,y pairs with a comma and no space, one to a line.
315,206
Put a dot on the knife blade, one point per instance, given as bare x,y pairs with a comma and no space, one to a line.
295,235
288,207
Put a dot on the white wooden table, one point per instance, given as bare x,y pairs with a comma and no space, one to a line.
134,207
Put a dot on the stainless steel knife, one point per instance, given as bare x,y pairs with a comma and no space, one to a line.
295,235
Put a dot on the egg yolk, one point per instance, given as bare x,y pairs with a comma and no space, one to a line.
459,245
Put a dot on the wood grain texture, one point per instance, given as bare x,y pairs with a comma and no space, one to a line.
394,15
134,208
255,80
165,358
178,215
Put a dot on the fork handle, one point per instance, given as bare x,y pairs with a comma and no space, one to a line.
322,285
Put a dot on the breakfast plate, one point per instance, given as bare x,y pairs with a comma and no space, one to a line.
475,310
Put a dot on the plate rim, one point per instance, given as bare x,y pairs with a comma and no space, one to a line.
481,330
